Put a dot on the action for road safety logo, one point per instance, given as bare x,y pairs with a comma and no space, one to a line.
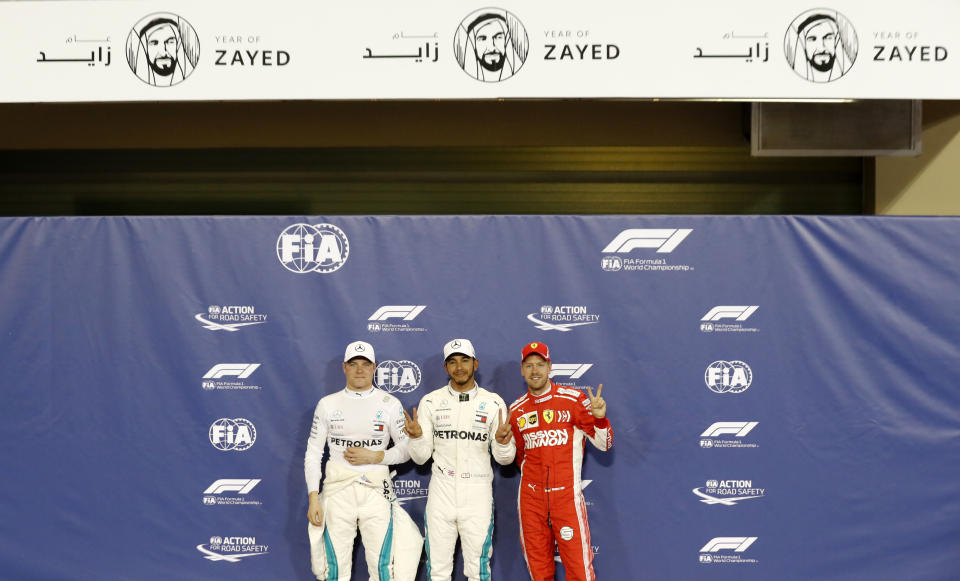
230,317
562,317
232,549
728,492
408,489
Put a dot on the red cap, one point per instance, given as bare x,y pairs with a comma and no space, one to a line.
539,348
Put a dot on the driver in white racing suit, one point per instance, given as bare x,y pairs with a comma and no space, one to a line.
356,424
460,425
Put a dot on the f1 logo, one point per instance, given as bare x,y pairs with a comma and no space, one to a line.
736,544
571,370
405,312
239,370
738,429
738,313
238,485
664,240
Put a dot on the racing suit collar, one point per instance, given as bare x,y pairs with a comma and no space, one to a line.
464,395
360,394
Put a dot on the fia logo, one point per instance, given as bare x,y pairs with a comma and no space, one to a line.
397,376
728,376
303,248
611,263
237,434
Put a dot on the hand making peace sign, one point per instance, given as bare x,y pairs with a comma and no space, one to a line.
598,407
411,426
504,433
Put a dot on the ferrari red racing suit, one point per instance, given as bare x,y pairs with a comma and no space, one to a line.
550,432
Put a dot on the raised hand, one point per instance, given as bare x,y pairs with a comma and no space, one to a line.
598,407
410,425
504,433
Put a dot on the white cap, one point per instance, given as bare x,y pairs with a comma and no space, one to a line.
359,349
462,346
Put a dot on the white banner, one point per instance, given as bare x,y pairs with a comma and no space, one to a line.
254,50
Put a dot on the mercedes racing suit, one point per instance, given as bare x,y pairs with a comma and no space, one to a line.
367,419
459,432
550,431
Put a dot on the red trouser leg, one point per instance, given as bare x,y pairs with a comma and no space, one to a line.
568,517
535,534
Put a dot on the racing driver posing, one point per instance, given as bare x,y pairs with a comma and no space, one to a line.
460,425
550,424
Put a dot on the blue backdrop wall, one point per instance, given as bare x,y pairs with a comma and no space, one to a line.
783,390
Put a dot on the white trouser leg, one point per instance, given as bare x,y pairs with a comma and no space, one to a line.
377,531
441,528
340,529
476,532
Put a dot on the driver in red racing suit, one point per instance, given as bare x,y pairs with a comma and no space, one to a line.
550,425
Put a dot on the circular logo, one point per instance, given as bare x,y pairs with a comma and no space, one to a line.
611,263
821,45
213,310
237,434
397,376
566,533
491,45
303,248
728,376
455,345
162,49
